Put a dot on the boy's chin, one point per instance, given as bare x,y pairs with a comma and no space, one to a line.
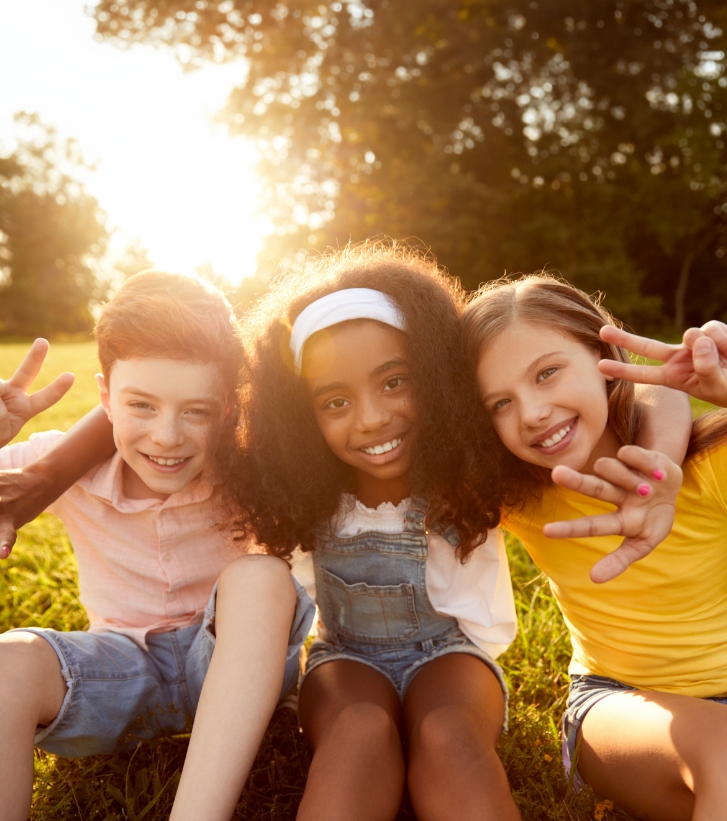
145,484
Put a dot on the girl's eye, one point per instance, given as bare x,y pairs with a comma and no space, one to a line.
548,372
336,404
394,382
499,405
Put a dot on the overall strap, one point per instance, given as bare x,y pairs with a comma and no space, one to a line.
416,516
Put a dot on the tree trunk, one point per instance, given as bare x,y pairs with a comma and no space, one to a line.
680,294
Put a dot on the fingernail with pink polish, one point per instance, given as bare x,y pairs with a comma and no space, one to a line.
644,490
658,475
4,552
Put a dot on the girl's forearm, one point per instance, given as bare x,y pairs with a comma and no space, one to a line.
27,492
667,421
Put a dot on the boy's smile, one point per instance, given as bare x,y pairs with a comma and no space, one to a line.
166,415
357,379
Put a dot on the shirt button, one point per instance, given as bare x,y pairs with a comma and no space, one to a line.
171,596
167,557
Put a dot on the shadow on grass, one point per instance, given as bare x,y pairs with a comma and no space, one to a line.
141,785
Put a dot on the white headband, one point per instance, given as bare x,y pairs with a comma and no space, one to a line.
342,306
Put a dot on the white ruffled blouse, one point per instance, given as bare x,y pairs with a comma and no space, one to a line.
478,593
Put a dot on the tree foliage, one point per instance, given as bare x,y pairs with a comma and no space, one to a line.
506,134
51,231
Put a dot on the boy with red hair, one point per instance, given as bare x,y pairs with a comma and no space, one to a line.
163,583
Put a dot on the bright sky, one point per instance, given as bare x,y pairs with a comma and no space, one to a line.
166,174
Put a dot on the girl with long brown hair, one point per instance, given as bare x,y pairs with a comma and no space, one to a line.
646,716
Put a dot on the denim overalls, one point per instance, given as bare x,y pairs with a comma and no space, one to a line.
373,602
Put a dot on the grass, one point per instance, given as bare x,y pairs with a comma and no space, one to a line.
38,586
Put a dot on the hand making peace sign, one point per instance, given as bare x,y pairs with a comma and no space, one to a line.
17,406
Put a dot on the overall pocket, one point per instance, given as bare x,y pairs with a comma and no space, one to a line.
378,614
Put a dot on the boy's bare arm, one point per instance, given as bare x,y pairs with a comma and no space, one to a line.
27,492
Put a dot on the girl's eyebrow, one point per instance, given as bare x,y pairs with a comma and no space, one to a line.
387,366
534,364
337,386
331,386
531,367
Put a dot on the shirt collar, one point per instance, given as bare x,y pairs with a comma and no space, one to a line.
106,482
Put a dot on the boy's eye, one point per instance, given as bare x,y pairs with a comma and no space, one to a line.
141,405
394,382
546,373
197,412
336,404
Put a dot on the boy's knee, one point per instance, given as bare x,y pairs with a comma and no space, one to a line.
29,666
25,652
258,572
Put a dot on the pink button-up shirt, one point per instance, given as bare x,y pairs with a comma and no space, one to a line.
143,565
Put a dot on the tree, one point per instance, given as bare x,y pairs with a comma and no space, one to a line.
51,233
505,134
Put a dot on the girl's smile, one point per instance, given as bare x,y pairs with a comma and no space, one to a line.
557,438
359,388
547,397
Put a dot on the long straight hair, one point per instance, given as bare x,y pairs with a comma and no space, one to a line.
548,300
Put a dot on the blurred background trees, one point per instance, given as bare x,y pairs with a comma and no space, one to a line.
588,135
52,233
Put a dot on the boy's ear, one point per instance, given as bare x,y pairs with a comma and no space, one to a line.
103,392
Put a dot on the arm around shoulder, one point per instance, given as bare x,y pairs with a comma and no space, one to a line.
28,491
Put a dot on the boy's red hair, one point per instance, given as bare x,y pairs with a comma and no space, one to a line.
170,316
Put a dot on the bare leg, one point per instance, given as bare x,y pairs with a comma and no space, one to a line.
659,756
34,690
454,710
255,605
350,713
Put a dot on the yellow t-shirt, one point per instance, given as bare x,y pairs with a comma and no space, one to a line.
661,625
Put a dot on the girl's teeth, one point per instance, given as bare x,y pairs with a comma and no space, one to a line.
385,448
167,462
555,438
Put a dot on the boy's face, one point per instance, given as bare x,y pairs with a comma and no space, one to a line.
166,416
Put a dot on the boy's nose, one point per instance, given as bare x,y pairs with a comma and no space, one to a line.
167,433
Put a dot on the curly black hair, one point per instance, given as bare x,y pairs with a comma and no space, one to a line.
283,477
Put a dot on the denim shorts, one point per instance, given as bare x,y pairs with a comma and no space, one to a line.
399,664
120,694
586,691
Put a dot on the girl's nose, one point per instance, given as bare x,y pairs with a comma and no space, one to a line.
373,415
534,413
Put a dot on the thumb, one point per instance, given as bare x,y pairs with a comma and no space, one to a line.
705,358
7,537
630,551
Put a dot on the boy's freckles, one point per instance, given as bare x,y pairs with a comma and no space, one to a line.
166,416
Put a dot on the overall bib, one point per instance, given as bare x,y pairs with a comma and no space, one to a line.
374,607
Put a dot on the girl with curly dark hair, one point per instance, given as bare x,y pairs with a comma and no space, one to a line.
362,441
